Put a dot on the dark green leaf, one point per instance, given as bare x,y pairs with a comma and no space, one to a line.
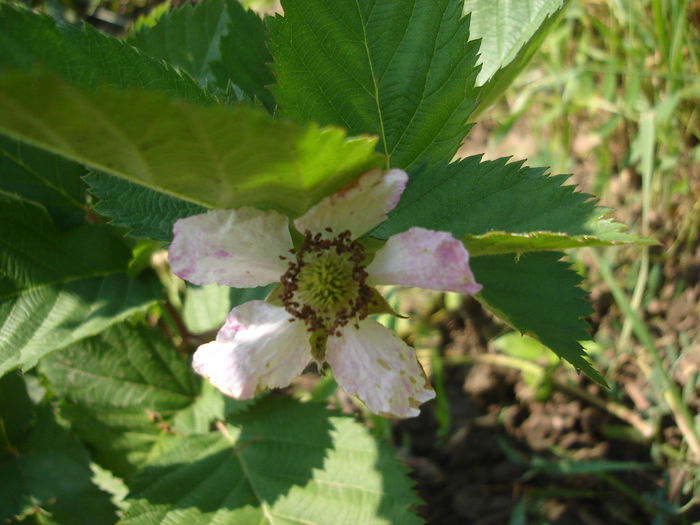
244,56
186,37
470,197
85,57
401,69
147,213
46,472
282,461
58,287
15,411
540,296
43,178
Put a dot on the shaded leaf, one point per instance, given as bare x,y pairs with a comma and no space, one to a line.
280,462
46,472
86,57
145,212
244,56
186,37
217,157
123,390
539,295
16,411
43,178
58,287
401,69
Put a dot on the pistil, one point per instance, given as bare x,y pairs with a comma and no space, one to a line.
324,285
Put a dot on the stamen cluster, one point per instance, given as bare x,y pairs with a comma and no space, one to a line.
324,285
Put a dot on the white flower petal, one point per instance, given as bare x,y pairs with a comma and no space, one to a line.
426,259
359,207
257,348
379,368
239,248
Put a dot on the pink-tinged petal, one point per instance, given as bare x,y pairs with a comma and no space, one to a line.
379,368
426,259
257,348
359,207
239,248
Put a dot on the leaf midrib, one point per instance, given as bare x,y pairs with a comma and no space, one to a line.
375,85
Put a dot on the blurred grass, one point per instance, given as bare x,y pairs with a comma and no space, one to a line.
613,98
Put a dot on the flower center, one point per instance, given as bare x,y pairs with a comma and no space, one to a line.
324,285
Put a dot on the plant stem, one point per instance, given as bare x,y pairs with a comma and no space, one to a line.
177,320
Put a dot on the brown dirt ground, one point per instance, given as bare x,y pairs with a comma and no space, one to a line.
468,478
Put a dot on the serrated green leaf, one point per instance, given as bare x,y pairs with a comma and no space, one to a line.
186,37
495,243
209,406
505,27
86,57
145,212
402,69
124,389
217,157
472,198
46,472
244,56
280,462
539,295
511,31
45,179
57,287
